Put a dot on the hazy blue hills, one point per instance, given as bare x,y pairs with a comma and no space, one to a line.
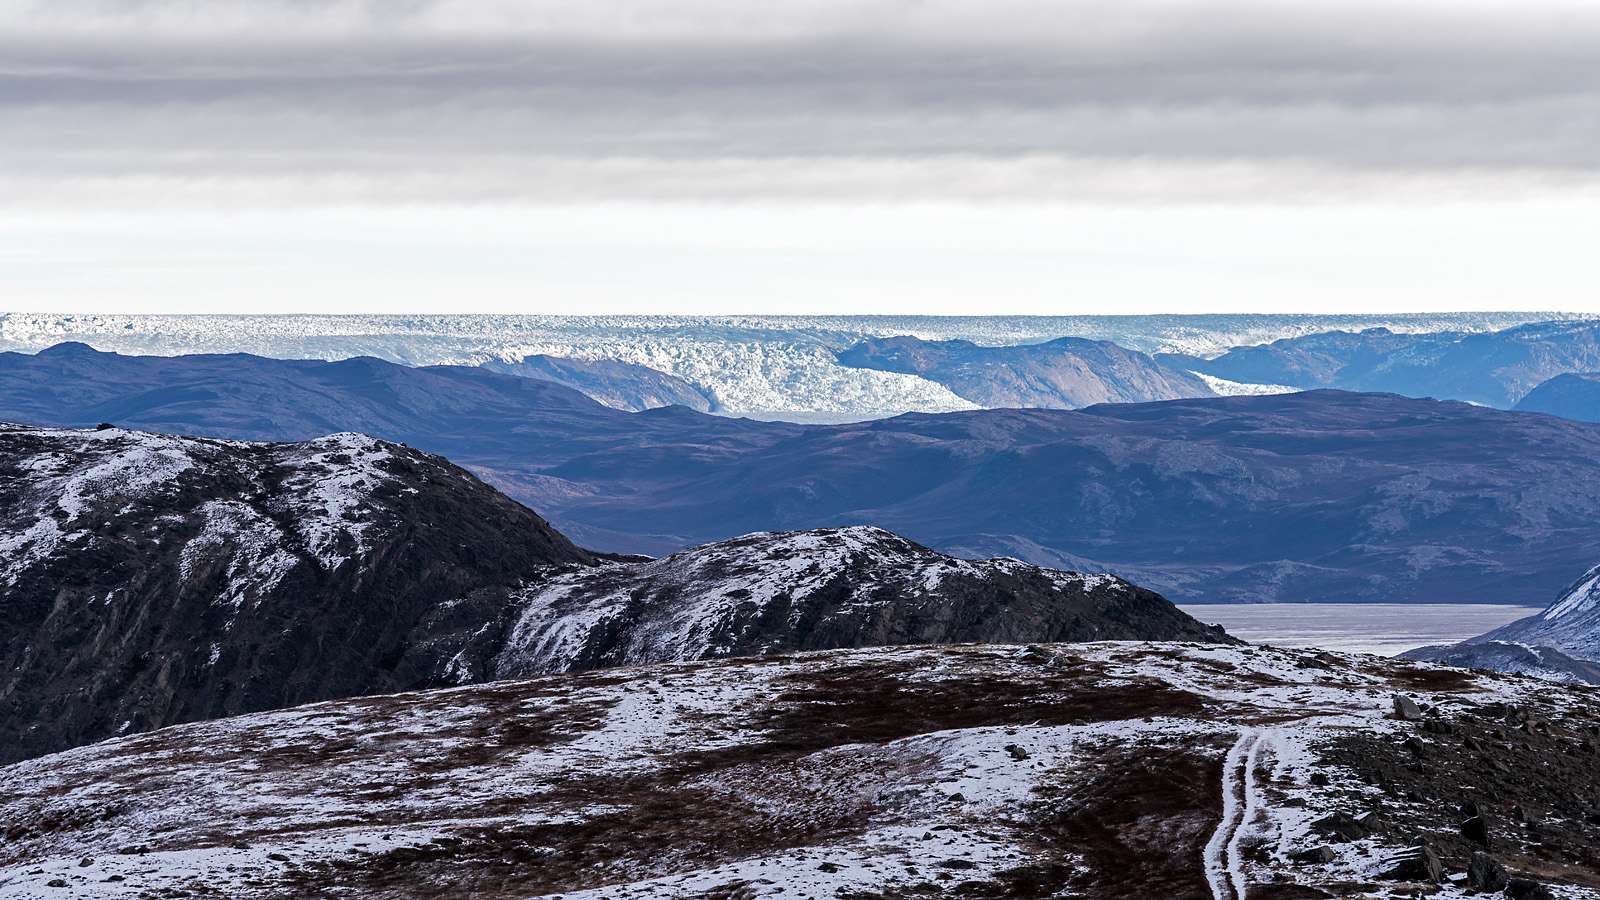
1315,496
1575,395
1066,373
1493,368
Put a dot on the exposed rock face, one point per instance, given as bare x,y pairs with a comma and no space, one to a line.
1495,368
818,590
617,384
1575,395
1508,656
1066,373
147,580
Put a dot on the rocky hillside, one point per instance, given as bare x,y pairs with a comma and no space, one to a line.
148,579
1066,373
1100,771
816,590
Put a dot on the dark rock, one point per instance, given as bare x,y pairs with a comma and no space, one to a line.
1476,830
1469,809
1438,726
1016,752
1526,889
86,862
1341,826
1415,864
277,857
828,867
1314,855
56,882
1485,873
1294,802
1406,708
1320,779
241,845
957,864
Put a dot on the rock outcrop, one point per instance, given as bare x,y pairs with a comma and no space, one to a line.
818,590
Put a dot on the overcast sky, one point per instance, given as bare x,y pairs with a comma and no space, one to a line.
785,156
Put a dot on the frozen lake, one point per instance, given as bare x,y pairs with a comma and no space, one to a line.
1382,628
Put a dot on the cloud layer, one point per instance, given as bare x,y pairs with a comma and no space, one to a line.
316,101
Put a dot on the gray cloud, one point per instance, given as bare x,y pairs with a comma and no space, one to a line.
476,101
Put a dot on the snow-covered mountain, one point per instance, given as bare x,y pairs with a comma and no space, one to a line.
774,367
813,590
1099,771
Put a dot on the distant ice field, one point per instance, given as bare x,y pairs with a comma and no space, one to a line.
1384,629
764,367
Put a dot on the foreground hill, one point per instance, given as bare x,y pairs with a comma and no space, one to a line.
148,579
1066,373
1314,496
1109,770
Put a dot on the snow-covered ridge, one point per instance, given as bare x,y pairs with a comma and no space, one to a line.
1583,595
766,591
67,477
760,366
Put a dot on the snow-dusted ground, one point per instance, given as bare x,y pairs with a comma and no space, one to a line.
1151,769
779,367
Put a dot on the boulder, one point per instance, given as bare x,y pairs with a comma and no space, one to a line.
1314,855
1340,826
1526,889
1406,708
1415,864
1485,873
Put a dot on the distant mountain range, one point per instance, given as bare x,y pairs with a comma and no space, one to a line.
147,580
1312,496
767,367
1496,368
